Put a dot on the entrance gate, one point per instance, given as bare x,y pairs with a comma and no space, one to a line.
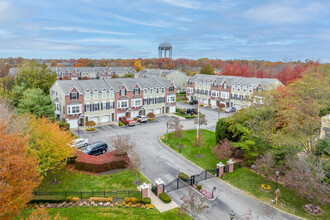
175,185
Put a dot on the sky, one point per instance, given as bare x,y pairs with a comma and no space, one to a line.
282,30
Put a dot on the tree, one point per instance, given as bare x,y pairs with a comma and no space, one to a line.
124,144
35,102
129,75
171,123
265,165
91,124
199,142
137,66
33,76
50,143
223,150
134,164
194,205
178,132
221,130
207,69
307,176
18,173
114,76
322,147
201,120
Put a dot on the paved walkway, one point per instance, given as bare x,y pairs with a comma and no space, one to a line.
159,204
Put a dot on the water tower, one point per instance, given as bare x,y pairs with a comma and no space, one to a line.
165,50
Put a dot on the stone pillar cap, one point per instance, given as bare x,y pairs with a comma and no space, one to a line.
144,186
230,162
159,181
220,164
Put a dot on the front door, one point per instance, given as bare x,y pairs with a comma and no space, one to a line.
112,117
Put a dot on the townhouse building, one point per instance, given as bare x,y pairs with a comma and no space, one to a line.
230,91
176,76
105,100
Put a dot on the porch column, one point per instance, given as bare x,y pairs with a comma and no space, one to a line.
230,165
144,190
221,168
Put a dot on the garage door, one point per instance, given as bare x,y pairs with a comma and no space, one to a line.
213,102
73,123
105,118
172,109
95,119
205,102
158,111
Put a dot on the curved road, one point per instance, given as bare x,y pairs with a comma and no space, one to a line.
160,162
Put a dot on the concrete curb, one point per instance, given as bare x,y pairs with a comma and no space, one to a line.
233,187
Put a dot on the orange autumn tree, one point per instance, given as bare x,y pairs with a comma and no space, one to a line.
50,143
137,66
18,173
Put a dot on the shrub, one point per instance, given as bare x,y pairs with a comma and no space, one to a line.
185,98
33,201
190,116
199,187
182,111
75,199
64,125
131,200
68,198
90,124
90,129
186,102
100,199
177,110
151,119
201,105
165,198
223,150
221,130
101,163
121,124
151,115
145,200
183,176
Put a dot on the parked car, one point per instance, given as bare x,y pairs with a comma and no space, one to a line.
96,148
127,121
79,143
192,102
141,118
230,109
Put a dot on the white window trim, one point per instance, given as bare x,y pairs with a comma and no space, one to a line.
89,95
225,95
104,94
145,91
119,104
133,102
95,94
69,109
215,93
111,93
171,98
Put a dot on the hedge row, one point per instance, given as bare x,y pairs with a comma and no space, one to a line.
101,163
165,198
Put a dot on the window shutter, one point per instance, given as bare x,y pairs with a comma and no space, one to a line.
92,107
102,106
125,91
98,106
84,108
70,96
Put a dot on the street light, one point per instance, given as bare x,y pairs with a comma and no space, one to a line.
79,117
232,215
277,174
214,188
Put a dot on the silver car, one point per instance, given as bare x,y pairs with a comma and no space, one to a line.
79,143
230,109
141,118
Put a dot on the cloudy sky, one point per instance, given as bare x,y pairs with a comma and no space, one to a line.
284,30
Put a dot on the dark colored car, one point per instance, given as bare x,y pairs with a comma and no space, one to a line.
193,102
127,121
96,148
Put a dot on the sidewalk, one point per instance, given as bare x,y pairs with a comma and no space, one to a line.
161,206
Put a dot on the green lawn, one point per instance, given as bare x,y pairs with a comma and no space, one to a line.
242,178
72,181
181,98
79,213
208,161
185,116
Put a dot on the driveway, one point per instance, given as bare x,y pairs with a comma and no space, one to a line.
160,162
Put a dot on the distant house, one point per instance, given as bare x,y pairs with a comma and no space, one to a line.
178,77
231,91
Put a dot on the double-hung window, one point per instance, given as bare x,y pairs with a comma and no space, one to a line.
215,93
104,94
95,94
74,95
87,95
145,91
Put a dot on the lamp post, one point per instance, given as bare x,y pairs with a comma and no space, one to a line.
214,188
232,215
79,117
277,174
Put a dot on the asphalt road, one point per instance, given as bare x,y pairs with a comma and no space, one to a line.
160,162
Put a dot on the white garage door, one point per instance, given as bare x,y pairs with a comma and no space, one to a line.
205,102
149,110
158,111
73,123
95,119
213,102
120,115
105,118
172,109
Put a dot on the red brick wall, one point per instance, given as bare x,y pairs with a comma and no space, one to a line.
68,101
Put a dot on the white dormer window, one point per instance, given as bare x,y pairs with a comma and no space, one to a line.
163,90
151,91
157,90
104,94
200,83
95,94
225,86
215,84
233,87
208,84
111,93
204,84
145,91
87,95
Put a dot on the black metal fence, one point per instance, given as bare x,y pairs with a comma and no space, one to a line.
85,195
175,184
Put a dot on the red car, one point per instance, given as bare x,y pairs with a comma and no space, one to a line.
127,121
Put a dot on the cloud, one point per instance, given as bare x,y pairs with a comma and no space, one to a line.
85,30
283,12
150,23
10,13
192,4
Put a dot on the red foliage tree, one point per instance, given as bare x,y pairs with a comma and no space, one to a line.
223,150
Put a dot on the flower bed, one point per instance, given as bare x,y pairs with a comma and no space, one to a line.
266,187
101,163
316,210
206,193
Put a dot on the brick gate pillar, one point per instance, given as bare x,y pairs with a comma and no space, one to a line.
144,190
159,186
230,166
221,168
